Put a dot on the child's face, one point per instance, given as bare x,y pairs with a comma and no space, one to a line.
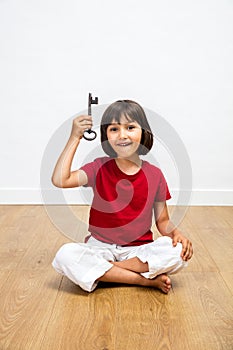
125,137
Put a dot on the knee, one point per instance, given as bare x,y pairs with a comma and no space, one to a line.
165,244
67,253
174,252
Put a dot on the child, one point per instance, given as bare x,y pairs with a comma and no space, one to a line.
127,190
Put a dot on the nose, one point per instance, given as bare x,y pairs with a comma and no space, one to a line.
122,133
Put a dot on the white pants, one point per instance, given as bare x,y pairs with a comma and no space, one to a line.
84,263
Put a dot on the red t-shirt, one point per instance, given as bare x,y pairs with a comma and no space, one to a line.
122,206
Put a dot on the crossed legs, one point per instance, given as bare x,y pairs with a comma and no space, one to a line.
86,264
128,272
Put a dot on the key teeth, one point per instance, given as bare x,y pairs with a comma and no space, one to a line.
93,101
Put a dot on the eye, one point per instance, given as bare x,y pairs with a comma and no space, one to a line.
131,127
113,129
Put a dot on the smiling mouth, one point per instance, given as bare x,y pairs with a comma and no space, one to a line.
124,144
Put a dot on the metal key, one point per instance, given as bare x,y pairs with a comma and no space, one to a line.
90,134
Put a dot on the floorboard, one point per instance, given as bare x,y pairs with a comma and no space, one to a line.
41,309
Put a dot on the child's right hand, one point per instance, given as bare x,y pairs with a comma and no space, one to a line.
81,124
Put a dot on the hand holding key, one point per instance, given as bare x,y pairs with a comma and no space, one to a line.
81,124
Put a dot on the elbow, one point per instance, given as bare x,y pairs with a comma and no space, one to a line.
56,182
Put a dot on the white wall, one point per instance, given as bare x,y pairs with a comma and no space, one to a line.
173,57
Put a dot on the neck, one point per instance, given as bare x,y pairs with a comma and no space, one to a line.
129,165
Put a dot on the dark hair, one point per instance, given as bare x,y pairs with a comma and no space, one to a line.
132,111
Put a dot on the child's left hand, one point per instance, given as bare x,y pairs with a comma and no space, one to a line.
187,249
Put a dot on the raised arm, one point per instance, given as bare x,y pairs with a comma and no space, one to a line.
167,228
62,175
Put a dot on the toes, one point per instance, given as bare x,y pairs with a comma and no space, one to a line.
166,280
167,289
163,283
167,285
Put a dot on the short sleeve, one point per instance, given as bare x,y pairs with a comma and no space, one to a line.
162,193
91,169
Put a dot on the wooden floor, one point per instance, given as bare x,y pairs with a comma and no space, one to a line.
40,309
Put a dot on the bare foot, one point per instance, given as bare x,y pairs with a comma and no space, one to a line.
161,282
